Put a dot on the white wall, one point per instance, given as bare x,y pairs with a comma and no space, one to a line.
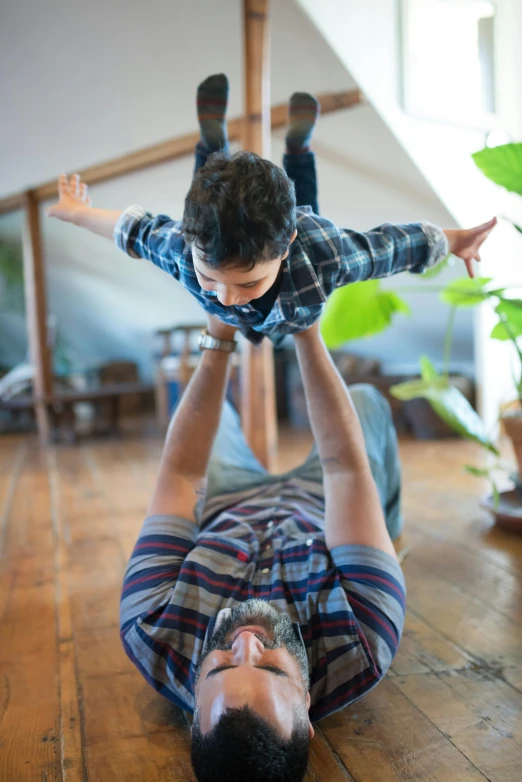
365,36
100,89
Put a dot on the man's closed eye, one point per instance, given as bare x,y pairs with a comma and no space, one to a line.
270,668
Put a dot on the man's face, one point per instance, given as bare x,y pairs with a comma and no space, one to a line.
253,659
234,285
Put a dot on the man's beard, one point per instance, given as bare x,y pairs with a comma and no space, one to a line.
278,627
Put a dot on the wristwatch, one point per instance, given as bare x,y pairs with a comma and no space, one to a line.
206,342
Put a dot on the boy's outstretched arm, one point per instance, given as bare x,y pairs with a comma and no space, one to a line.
138,233
74,206
391,249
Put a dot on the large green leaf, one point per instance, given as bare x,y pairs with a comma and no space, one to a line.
510,312
500,332
503,165
359,310
448,402
466,292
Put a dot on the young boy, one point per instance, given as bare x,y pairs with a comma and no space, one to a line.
243,249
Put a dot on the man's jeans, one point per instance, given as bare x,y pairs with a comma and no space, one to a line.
300,169
233,467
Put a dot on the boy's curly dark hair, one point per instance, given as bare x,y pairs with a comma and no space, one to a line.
239,211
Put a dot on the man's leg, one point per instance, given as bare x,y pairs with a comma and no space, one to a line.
212,100
299,161
381,445
232,467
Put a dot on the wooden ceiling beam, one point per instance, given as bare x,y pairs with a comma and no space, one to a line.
174,148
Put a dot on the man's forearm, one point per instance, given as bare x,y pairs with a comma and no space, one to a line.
191,433
98,221
193,428
353,513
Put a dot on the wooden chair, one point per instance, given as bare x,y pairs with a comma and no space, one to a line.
176,363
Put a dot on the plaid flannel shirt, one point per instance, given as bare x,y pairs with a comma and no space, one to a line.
321,259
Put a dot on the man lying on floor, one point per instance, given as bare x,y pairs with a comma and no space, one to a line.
262,603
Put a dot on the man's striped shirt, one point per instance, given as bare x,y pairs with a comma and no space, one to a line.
265,543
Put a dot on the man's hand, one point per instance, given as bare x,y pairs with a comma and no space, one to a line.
220,330
466,243
72,199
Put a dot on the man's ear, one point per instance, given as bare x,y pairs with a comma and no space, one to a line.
293,237
310,726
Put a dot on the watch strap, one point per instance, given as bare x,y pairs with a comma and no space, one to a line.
207,342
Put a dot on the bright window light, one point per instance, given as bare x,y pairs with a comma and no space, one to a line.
448,60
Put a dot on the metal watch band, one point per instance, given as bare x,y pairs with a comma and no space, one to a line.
207,342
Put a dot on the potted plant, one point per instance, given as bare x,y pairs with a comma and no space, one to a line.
502,165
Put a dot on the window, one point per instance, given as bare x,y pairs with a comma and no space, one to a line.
448,60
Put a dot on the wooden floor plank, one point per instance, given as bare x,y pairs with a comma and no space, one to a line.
424,650
481,631
385,738
72,739
493,585
30,719
480,715
96,562
433,478
324,765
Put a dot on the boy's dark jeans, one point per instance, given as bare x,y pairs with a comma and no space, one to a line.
300,169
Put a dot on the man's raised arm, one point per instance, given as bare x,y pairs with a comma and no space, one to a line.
353,513
192,431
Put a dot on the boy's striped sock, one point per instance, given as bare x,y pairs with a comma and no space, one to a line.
212,102
303,111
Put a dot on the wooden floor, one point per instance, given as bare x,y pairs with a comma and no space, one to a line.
73,708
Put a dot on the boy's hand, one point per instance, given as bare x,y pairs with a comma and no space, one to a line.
220,330
72,200
466,243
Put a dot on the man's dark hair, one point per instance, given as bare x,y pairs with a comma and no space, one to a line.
239,211
243,747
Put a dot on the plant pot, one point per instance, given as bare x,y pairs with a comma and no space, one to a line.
513,426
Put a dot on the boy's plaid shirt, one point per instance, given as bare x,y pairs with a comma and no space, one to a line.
321,259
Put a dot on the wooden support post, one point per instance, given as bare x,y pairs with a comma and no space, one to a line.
256,130
258,399
36,313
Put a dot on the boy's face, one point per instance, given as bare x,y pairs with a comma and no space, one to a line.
235,286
